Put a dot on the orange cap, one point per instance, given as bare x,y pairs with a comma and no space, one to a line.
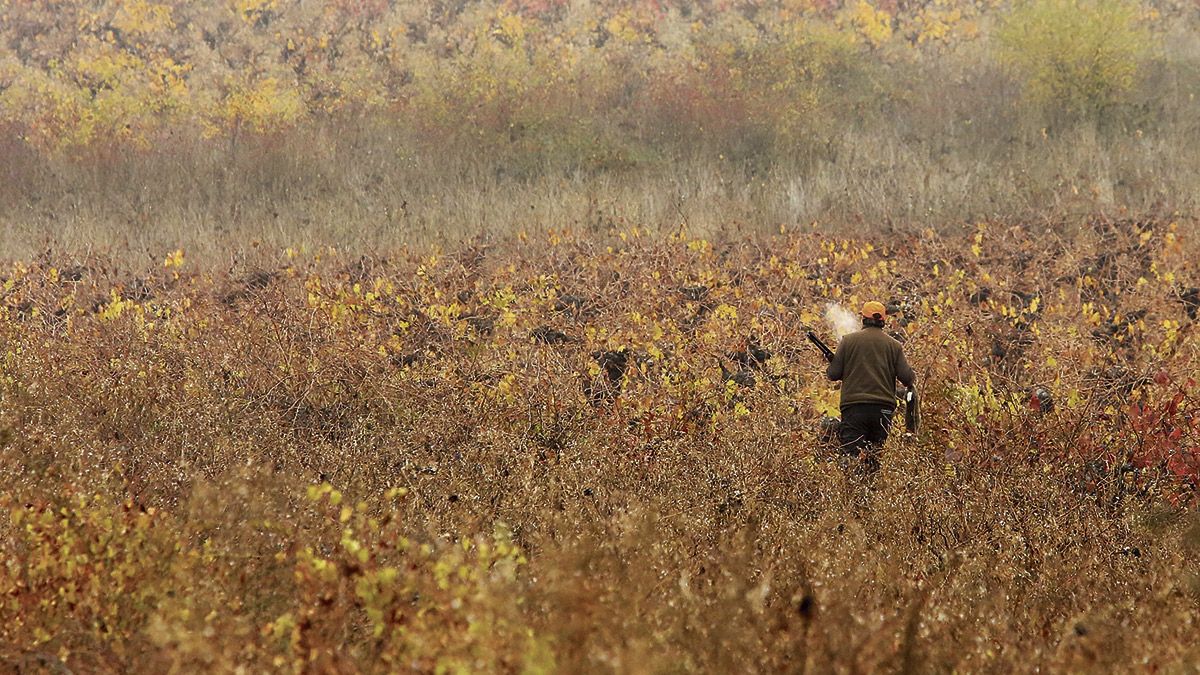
874,310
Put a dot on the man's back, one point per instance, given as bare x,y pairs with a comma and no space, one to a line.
868,363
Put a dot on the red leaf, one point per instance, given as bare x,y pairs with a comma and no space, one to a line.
1182,467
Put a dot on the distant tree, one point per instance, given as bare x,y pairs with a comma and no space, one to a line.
1076,56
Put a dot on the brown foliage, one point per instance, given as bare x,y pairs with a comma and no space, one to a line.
316,462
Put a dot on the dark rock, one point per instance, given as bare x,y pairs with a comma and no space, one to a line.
742,377
614,362
754,356
980,296
695,292
550,336
482,324
570,304
1191,301
258,279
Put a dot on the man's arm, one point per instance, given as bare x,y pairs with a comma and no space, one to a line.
834,371
904,372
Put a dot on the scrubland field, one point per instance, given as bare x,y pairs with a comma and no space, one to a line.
534,456
469,336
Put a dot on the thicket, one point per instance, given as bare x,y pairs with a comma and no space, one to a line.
358,122
590,452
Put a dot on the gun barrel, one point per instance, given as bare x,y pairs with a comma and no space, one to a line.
812,337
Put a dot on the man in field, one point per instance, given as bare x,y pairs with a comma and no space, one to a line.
868,363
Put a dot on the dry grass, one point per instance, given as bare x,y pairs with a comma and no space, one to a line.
166,430
211,202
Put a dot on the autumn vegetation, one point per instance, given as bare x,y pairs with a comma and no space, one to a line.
469,336
144,126
536,456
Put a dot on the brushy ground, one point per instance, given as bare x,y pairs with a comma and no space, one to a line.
546,454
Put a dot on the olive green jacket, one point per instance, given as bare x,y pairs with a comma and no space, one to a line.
868,363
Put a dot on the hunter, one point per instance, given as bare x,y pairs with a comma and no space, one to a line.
868,363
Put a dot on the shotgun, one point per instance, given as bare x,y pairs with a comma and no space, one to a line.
825,350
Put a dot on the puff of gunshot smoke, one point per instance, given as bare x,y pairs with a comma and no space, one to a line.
841,320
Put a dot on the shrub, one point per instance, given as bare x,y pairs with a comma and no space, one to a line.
1076,56
82,577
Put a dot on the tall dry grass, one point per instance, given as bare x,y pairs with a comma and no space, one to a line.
209,201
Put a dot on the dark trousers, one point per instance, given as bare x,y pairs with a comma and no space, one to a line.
864,430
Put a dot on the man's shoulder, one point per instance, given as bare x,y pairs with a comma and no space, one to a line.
875,336
856,336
